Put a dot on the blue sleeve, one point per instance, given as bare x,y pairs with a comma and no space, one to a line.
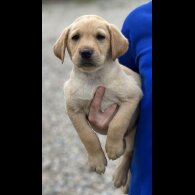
137,28
128,59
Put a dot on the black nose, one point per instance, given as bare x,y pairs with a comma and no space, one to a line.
86,53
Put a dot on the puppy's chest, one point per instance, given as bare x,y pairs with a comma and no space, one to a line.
83,95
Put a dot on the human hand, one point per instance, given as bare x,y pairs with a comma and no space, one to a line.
99,120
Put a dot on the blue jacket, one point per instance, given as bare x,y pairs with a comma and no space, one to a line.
137,28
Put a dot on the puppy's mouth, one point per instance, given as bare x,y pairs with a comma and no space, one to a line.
87,63
88,67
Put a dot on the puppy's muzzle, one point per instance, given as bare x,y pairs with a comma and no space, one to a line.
86,53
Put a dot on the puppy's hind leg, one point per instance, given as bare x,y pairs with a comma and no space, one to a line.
121,176
125,189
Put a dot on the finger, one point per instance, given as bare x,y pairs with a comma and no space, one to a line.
96,102
110,112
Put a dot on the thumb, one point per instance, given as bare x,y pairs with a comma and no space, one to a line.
110,111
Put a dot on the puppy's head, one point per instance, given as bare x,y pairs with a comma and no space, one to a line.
90,41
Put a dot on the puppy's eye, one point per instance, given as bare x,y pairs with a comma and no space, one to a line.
100,37
75,37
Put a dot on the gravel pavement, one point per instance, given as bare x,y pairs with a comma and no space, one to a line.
64,159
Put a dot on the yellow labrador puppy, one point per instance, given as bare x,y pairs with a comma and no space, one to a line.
94,45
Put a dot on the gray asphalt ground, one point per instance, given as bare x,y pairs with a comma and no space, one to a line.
64,159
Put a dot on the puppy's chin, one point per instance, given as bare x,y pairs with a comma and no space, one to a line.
88,68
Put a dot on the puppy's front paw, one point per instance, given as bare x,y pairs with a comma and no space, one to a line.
114,149
97,163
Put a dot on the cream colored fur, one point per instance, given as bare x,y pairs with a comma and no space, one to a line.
122,87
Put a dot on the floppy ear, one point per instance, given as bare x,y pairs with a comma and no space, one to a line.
60,45
119,44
